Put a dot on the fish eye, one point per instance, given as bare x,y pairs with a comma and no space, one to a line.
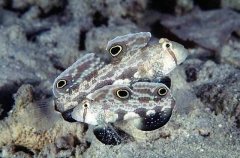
167,45
86,104
122,93
61,83
115,50
162,91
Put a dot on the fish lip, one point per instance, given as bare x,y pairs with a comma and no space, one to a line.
67,115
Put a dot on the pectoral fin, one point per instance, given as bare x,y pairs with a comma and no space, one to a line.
154,120
107,135
40,115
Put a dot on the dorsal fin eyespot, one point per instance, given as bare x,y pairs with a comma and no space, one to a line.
61,83
115,50
123,93
127,45
162,91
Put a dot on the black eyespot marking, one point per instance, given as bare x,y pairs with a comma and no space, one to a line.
167,45
61,83
115,50
122,93
85,105
162,91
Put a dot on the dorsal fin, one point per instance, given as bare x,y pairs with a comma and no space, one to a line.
127,45
82,69
136,101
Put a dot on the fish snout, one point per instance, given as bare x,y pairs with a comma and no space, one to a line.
176,50
180,52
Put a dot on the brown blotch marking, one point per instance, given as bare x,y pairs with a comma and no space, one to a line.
144,91
141,41
144,99
108,75
128,73
99,97
111,100
102,84
93,74
85,65
157,99
150,48
131,38
105,107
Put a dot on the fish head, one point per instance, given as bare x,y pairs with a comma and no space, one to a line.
176,50
85,113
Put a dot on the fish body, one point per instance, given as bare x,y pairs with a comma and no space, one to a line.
120,102
131,61
133,86
148,104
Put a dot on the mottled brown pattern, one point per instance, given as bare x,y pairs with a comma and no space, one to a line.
144,99
136,61
102,84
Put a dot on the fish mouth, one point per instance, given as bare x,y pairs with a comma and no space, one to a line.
67,115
